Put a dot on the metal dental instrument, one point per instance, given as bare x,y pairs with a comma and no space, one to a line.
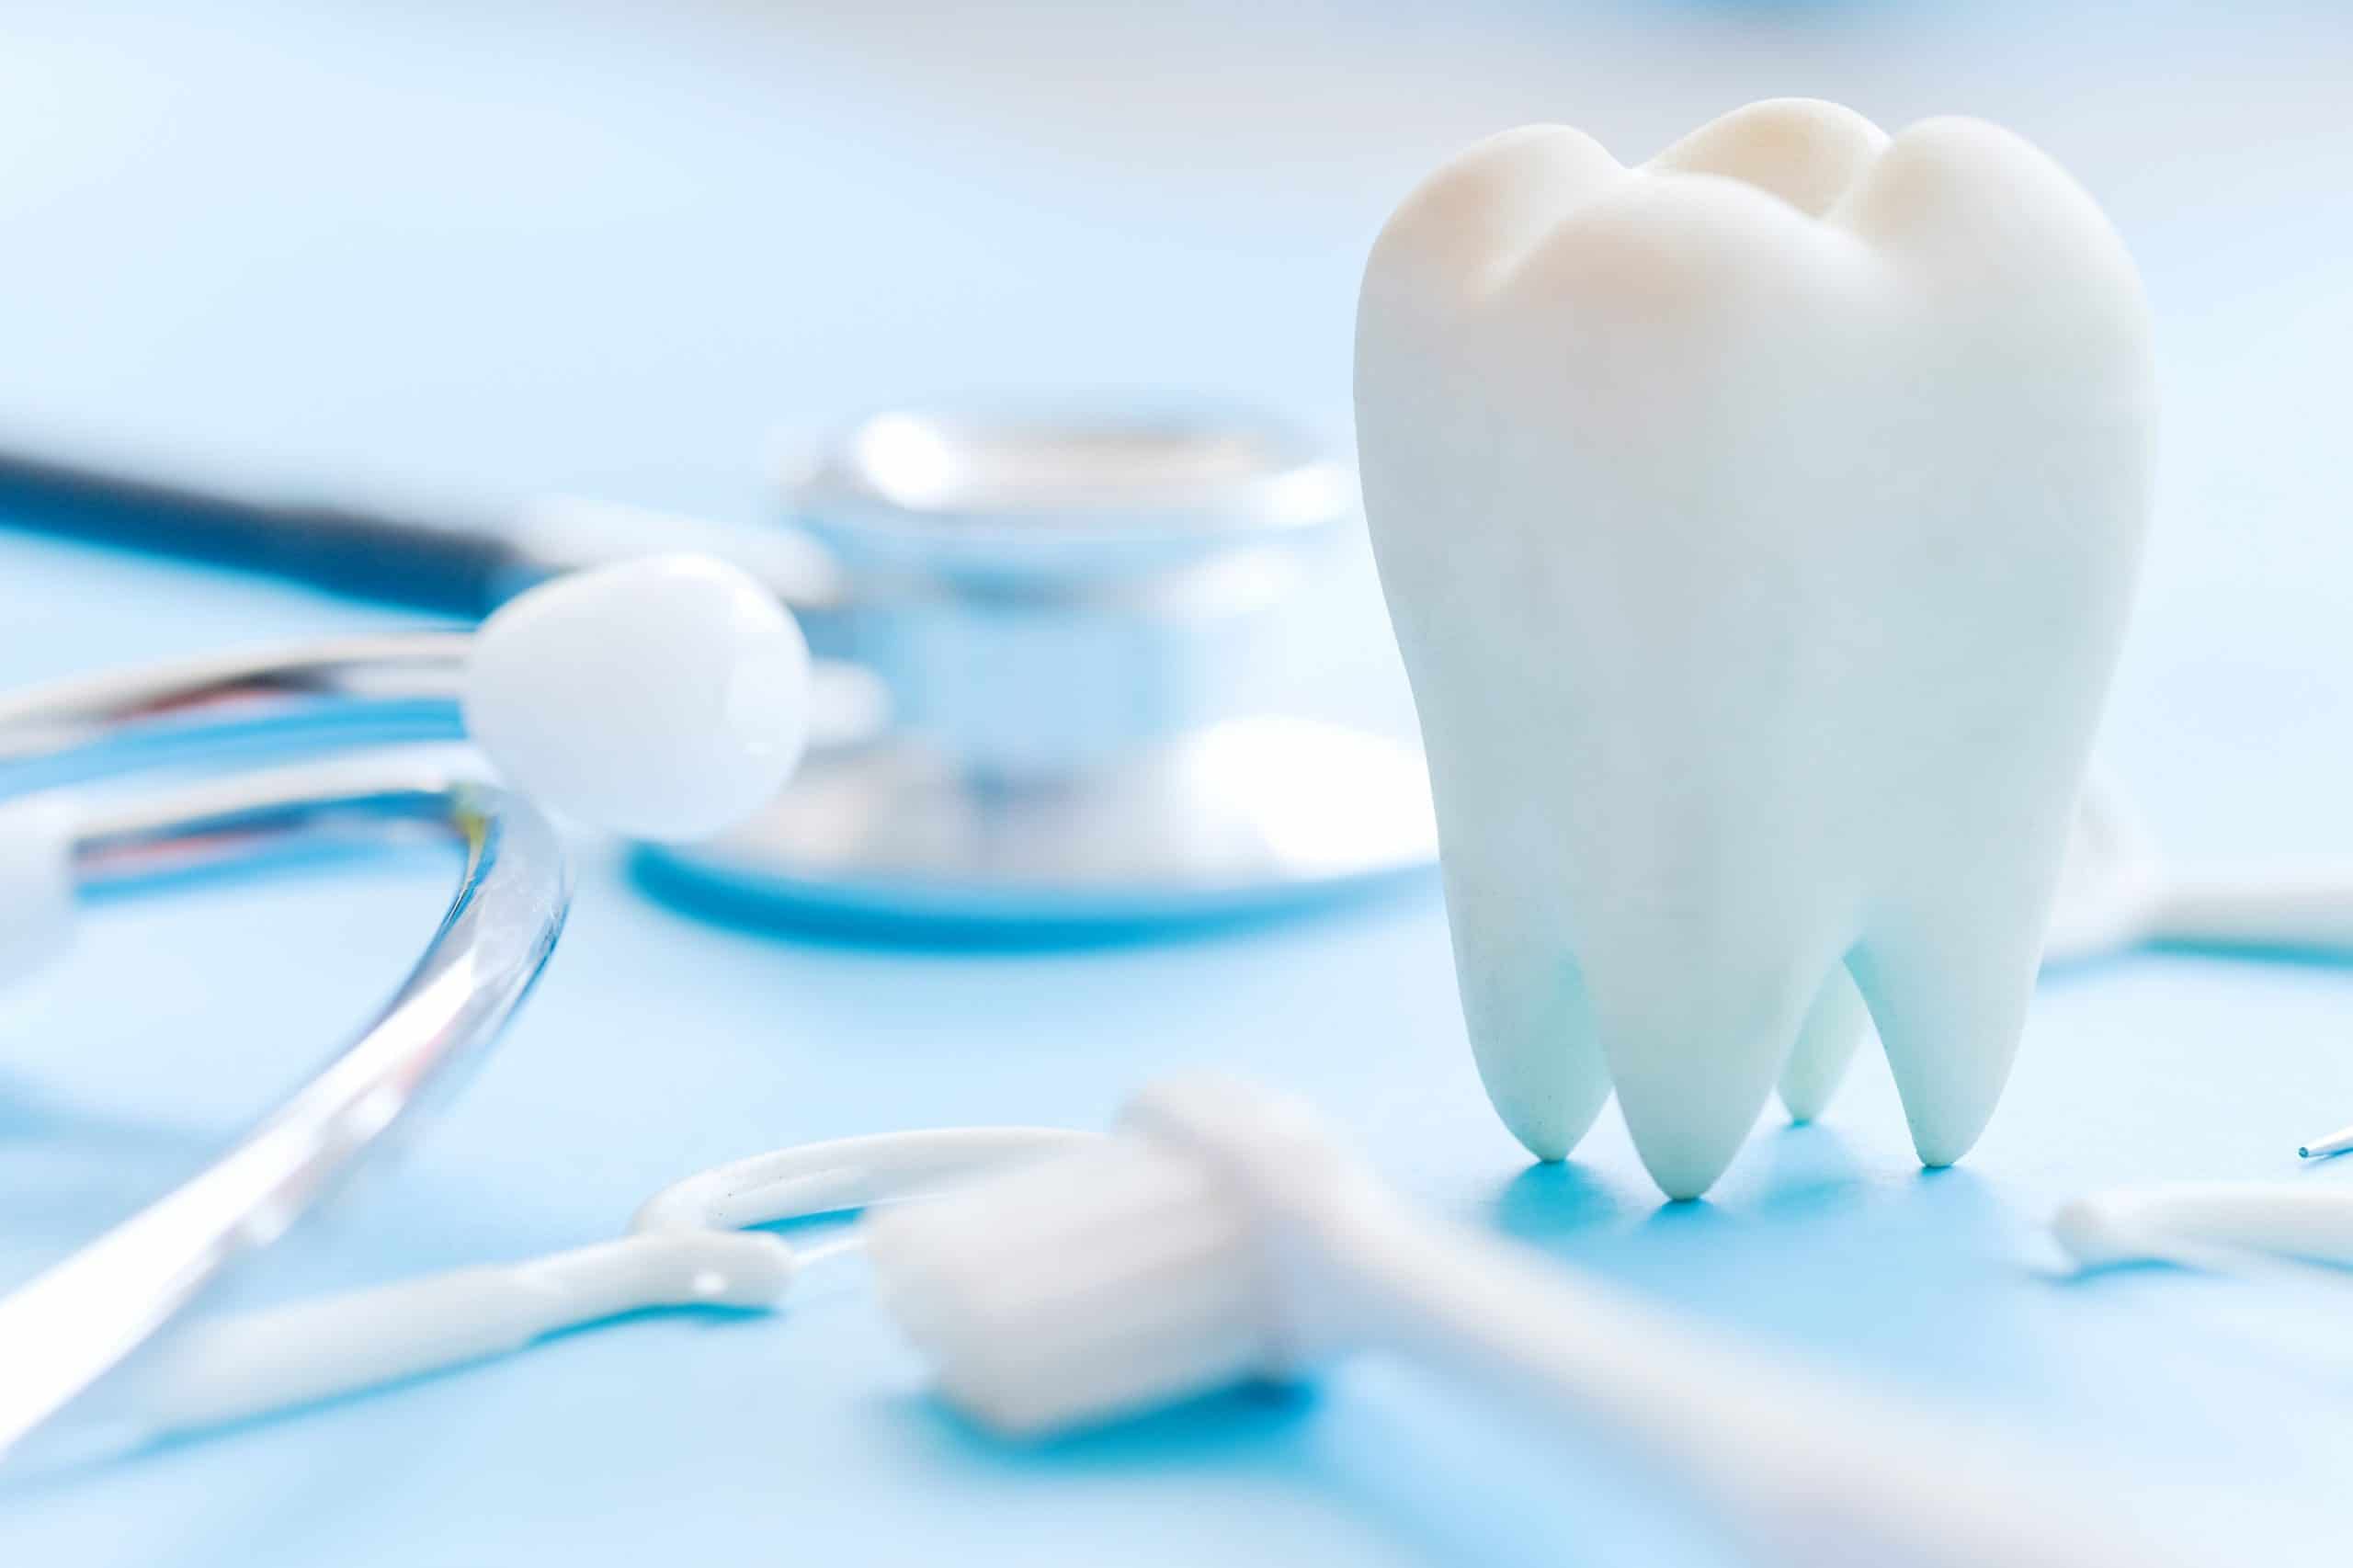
63,1330
1075,615
591,688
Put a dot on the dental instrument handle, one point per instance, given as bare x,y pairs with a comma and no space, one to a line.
462,566
2337,1142
1224,1235
2295,908
2165,1221
446,568
1819,1474
246,1364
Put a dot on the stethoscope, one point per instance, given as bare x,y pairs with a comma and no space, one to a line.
668,694
1041,636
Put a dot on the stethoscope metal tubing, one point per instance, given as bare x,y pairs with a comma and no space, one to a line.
397,685
401,685
67,1328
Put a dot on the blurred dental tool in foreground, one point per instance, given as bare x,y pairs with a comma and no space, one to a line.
1222,1236
684,1249
666,695
228,1369
1760,527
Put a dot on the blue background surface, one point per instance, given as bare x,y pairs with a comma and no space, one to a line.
480,251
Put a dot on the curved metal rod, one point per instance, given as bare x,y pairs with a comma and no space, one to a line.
69,1325
404,683
396,685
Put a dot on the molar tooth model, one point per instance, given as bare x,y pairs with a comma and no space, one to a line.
1760,527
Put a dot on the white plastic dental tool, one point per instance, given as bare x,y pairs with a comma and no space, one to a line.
2224,1226
1758,526
1222,1236
68,1325
2117,893
661,696
686,1248
2337,1142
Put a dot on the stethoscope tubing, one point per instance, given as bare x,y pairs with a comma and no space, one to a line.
68,1326
343,691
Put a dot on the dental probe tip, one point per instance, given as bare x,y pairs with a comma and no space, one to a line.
2336,1142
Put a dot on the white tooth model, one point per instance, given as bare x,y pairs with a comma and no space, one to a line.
1758,526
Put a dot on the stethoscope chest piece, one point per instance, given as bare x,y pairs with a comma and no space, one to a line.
1074,616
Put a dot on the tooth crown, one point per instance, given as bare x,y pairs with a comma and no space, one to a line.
1759,527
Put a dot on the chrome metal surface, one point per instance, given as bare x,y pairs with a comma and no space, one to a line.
401,685
1237,817
1074,611
1045,591
1061,494
396,687
66,1327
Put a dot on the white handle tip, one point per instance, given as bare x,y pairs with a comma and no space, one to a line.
666,698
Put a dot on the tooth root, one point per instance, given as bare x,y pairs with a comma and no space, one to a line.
1524,1004
1949,990
1833,1029
1695,1034
1524,1000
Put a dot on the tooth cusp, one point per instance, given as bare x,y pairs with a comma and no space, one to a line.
1804,150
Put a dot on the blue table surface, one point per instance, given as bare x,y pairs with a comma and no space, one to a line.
480,251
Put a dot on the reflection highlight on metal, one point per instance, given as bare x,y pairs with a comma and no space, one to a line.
403,685
1229,819
1075,613
68,1326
